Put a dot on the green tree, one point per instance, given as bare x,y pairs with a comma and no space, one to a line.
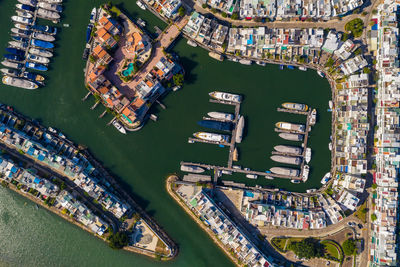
178,79
373,217
349,246
181,11
223,14
366,70
355,26
307,248
235,16
118,240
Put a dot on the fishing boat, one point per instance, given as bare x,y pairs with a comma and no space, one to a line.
290,126
13,65
92,18
32,3
308,155
326,178
46,29
15,51
41,44
38,59
306,172
25,7
48,6
313,118
191,43
22,26
35,66
18,82
285,171
89,33
302,68
25,33
18,45
226,96
119,127
43,37
24,14
321,74
191,168
295,106
141,4
252,176
213,137
10,72
33,76
14,57
217,125
40,52
286,159
22,20
291,136
289,149
239,130
221,115
47,14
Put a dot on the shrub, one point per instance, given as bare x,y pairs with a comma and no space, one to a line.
235,16
307,248
118,240
349,247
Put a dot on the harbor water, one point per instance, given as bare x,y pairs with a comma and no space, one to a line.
142,160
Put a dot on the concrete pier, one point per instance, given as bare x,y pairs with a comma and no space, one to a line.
194,140
95,105
293,111
102,114
86,96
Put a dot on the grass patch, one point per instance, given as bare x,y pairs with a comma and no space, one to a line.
361,212
355,27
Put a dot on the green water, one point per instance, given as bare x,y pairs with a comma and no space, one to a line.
143,159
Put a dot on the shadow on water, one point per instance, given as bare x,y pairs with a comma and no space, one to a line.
189,65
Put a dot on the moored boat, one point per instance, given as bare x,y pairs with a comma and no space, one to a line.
302,68
36,66
25,7
251,176
191,168
245,61
19,45
287,159
92,18
43,37
13,65
191,43
321,74
306,172
22,26
20,39
119,127
261,63
294,181
141,4
226,96
89,33
141,22
22,20
46,29
18,82
313,118
32,76
40,52
290,126
221,115
308,155
25,33
289,149
14,57
24,14
213,137
38,59
291,136
42,44
15,51
295,106
47,14
32,3
49,6
239,130
285,171
217,125
10,72
312,190
326,178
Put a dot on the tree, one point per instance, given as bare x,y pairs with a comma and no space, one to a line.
366,70
118,240
223,14
181,11
355,26
235,16
204,6
307,248
178,79
349,246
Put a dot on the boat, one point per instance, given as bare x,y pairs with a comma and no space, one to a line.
85,54
18,82
43,37
294,181
191,168
269,177
290,67
89,33
217,125
119,127
308,191
24,14
326,178
252,176
141,4
237,167
47,14
226,96
92,18
285,171
40,52
21,32
20,39
14,57
33,76
10,72
22,20
281,67
226,172
239,130
306,172
289,149
330,103
46,29
13,65
290,126
291,136
313,118
308,155
54,1
287,159
66,25
32,3
16,44
330,146
261,63
52,130
295,106
191,43
38,59
321,74
25,7
212,137
41,44
216,56
35,66
52,7
235,156
22,26
221,115
245,61
176,88
302,68
15,51
141,22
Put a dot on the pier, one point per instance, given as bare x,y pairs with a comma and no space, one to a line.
86,96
